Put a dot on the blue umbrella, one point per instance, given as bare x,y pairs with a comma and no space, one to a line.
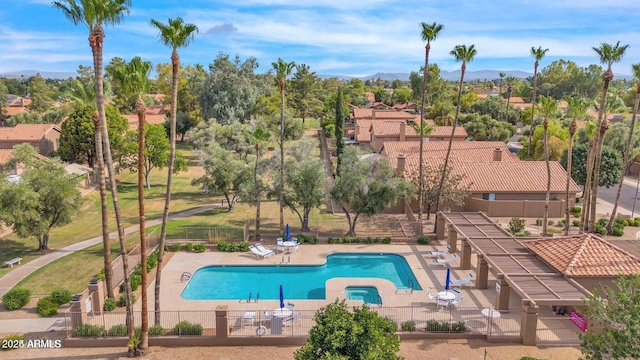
281,297
287,233
447,282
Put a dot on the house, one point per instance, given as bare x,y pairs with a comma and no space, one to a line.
410,106
17,169
16,104
44,137
155,114
383,131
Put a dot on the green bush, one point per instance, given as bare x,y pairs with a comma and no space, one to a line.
12,342
329,130
424,240
562,223
188,246
356,240
522,234
16,298
200,248
152,261
244,246
386,240
376,240
47,306
539,222
630,222
550,222
86,330
61,296
617,231
119,330
123,299
228,246
175,247
109,304
601,230
576,211
516,225
186,328
621,222
636,222
135,280
444,326
576,223
408,326
603,221
330,240
100,275
157,330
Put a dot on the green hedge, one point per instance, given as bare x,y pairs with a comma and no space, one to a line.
304,239
186,328
87,330
119,330
408,326
123,299
61,296
16,298
367,240
445,326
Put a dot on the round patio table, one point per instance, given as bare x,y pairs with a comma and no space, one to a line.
490,314
282,312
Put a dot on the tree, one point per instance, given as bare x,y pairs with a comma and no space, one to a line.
25,117
576,108
339,133
462,54
538,54
609,168
93,14
628,148
548,108
618,319
40,95
341,334
306,88
3,104
502,75
45,198
367,189
484,128
259,136
608,54
176,34
453,192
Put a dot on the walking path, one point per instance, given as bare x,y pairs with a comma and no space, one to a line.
15,276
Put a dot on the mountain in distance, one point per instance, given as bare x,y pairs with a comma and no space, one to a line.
44,74
447,75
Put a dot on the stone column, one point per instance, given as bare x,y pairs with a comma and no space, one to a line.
503,290
483,273
78,311
440,224
465,261
222,323
453,239
529,322
96,291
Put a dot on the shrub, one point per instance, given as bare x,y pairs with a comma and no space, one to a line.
636,221
376,240
119,330
539,222
100,275
188,246
16,298
444,326
603,221
110,304
356,240
408,326
330,240
157,330
524,233
386,240
175,247
229,246
562,223
152,261
617,231
12,342
576,211
123,299
550,222
86,330
329,130
576,223
601,230
135,280
199,248
630,222
47,306
186,328
424,240
61,296
244,246
516,225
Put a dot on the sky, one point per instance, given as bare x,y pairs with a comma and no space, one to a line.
333,37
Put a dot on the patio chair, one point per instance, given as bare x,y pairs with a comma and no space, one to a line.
290,306
266,316
446,261
255,251
266,252
457,292
440,252
431,297
248,318
464,281
456,302
443,302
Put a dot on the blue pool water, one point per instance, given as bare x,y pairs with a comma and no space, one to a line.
368,294
298,282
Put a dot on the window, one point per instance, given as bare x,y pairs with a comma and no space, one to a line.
489,196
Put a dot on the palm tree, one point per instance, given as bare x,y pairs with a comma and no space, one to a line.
590,129
576,108
133,79
93,14
429,33
627,149
502,75
538,54
548,107
258,136
510,81
176,34
464,54
608,54
283,70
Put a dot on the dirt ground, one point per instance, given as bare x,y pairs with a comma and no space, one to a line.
409,349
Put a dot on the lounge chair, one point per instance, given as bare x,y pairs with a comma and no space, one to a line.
446,261
440,252
457,292
456,302
431,297
258,253
462,282
266,252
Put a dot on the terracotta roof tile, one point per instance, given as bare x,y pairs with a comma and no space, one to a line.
155,114
516,100
5,155
462,150
585,255
26,132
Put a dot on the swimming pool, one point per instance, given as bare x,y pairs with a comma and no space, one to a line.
299,282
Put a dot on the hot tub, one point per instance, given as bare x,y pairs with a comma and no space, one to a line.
368,294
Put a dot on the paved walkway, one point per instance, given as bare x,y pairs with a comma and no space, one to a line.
15,276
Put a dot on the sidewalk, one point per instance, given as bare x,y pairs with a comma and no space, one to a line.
15,276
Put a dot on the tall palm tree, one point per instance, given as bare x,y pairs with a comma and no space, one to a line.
175,34
462,54
548,107
510,80
590,130
502,75
608,54
627,149
133,78
429,33
538,54
93,14
576,108
283,70
258,136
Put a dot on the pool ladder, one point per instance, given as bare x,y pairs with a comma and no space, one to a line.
409,290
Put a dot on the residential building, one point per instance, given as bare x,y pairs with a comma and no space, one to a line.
44,137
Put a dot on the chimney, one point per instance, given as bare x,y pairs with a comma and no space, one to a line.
497,154
403,128
401,164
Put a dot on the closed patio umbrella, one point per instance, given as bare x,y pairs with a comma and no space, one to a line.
287,233
281,297
447,283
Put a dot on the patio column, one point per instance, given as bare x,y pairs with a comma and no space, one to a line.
483,273
529,322
503,290
78,310
453,239
96,291
440,224
222,324
465,262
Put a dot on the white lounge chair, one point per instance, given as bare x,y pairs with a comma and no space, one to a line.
446,261
431,297
457,292
462,282
443,302
264,250
456,302
258,253
440,252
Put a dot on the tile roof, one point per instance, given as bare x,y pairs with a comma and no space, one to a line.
368,113
516,100
585,255
392,128
26,132
363,130
155,114
461,150
5,155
